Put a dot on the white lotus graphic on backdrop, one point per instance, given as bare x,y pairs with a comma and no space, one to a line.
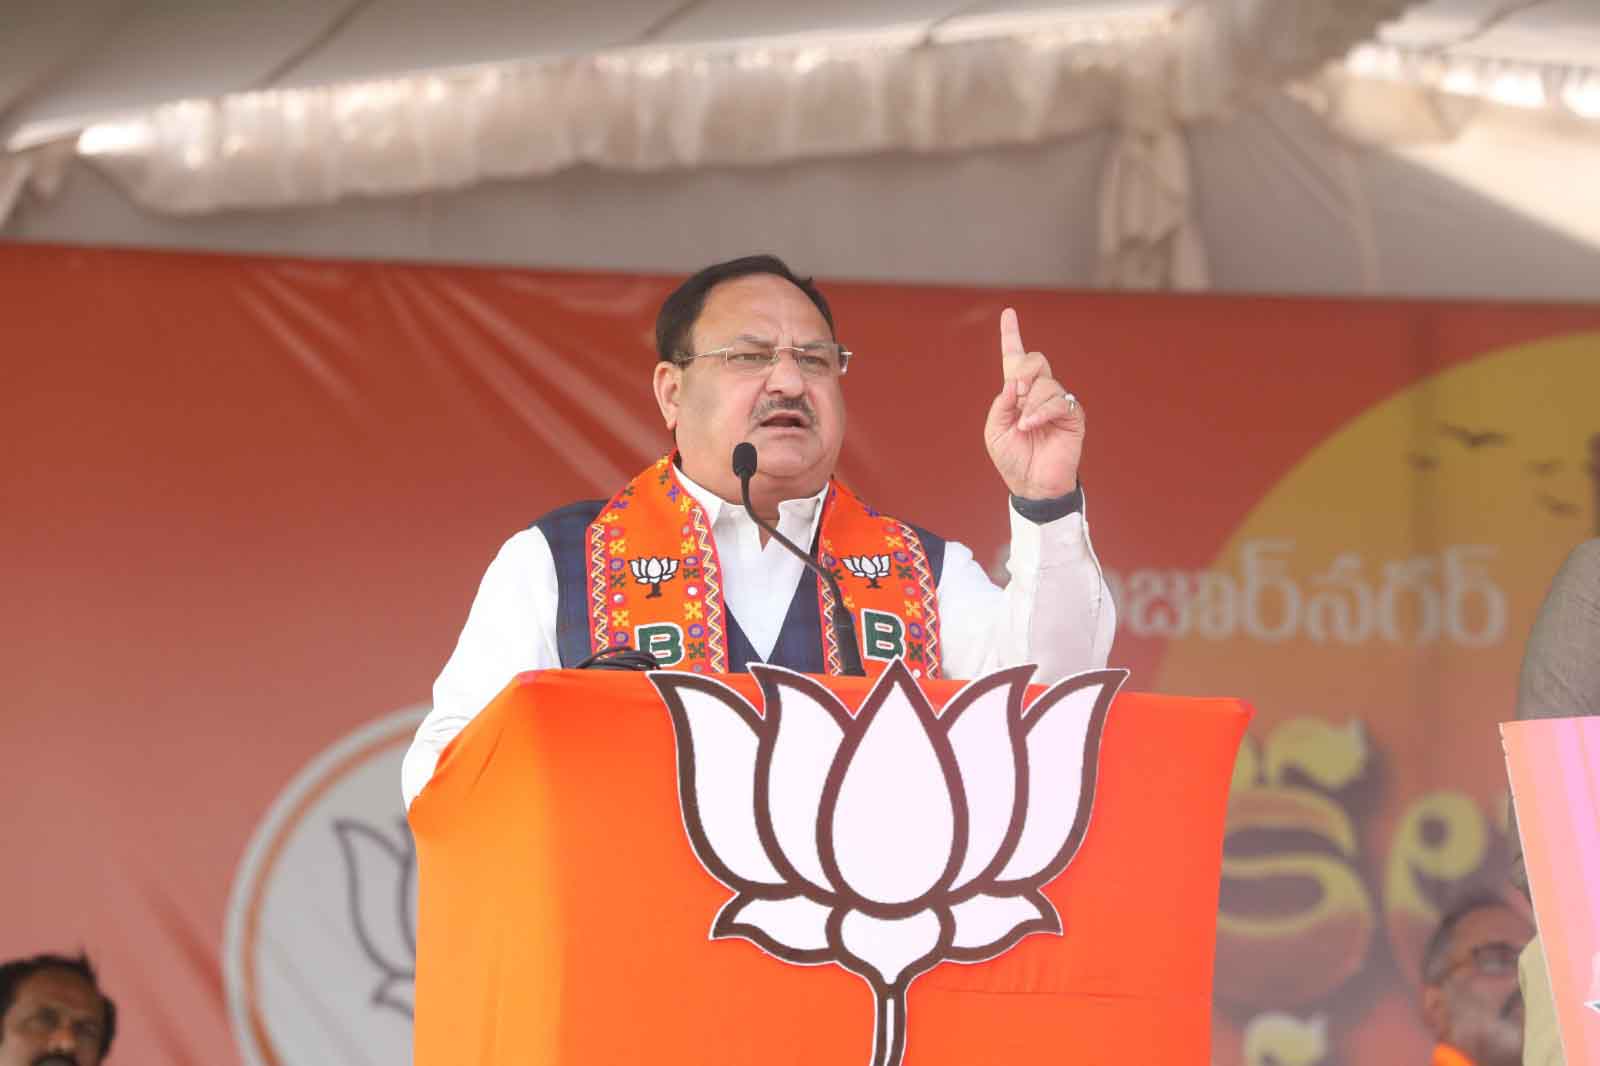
381,890
893,840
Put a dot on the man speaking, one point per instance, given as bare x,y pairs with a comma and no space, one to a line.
674,565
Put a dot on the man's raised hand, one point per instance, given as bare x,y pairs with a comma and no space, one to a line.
1035,427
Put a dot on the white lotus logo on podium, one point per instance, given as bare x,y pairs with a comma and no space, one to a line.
893,840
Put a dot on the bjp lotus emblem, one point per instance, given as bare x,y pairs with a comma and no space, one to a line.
893,840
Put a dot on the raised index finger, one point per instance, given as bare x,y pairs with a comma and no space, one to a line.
1011,350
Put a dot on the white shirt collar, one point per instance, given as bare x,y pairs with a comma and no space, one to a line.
805,509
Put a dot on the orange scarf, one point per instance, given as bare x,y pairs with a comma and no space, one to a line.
1445,1055
655,580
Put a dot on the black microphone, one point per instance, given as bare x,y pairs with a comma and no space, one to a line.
844,630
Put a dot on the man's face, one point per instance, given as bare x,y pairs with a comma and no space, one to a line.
796,422
1477,1008
57,1019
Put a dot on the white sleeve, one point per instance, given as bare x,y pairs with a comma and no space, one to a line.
1056,611
511,628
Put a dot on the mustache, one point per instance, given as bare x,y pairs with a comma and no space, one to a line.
795,404
55,1058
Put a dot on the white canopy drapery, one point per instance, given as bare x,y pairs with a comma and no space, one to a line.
304,106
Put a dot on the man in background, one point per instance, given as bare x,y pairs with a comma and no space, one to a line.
1470,997
52,1013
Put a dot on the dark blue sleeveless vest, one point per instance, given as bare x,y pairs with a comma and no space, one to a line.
799,645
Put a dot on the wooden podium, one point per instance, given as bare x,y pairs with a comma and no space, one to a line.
565,915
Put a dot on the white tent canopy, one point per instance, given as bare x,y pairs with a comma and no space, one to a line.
1331,146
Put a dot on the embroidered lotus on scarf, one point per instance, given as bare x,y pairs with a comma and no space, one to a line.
893,840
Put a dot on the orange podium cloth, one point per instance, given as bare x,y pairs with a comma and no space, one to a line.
564,918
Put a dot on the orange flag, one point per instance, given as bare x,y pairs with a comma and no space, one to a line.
776,868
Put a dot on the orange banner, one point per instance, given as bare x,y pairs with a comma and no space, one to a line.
248,500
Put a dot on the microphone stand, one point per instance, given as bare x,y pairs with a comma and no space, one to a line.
844,630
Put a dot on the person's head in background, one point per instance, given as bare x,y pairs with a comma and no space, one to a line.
52,1013
1470,997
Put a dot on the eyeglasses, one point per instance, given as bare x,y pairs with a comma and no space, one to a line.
819,359
1495,959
